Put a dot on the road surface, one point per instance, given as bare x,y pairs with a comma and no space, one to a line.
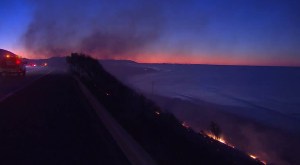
45,119
12,83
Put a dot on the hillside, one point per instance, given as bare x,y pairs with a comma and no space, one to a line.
166,139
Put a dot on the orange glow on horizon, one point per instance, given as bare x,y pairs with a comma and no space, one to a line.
211,60
185,59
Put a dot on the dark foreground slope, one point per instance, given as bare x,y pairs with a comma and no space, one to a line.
49,122
161,135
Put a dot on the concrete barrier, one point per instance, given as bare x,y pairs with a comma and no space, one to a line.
132,150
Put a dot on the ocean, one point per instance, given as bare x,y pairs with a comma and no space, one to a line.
264,101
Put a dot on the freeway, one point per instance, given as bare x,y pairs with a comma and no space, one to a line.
12,83
45,119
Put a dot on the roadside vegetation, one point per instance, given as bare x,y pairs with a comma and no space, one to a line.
166,139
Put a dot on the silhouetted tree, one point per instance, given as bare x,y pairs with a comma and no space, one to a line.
215,130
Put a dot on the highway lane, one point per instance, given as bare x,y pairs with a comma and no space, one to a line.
50,122
12,83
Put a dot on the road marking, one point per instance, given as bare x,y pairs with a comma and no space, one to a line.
23,87
132,150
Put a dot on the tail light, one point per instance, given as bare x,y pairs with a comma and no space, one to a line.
18,61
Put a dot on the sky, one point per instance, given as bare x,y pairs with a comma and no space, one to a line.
230,32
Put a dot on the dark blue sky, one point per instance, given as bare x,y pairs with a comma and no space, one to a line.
256,32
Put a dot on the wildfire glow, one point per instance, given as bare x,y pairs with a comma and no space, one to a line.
220,139
255,157
185,125
252,156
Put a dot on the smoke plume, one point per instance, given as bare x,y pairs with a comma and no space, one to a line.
107,28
